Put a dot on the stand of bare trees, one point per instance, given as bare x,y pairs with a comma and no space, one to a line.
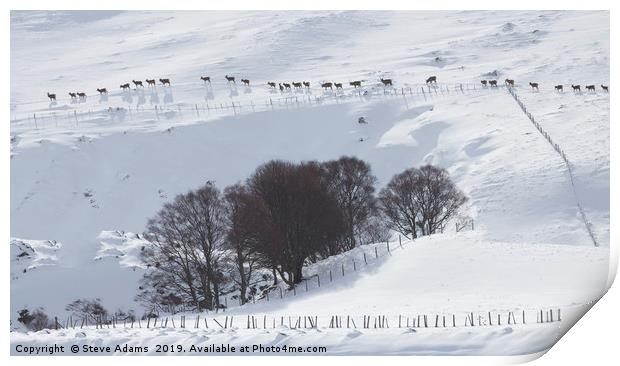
285,215
420,201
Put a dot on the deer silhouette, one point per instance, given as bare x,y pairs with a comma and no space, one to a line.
493,83
605,88
338,85
137,83
81,95
327,85
296,84
287,85
51,96
281,87
205,79
534,85
165,81
271,84
510,82
230,78
306,84
483,82
576,87
432,79
150,82
102,91
559,88
245,82
591,87
386,82
125,86
72,95
356,84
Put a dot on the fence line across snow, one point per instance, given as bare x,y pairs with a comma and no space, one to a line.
71,118
336,321
560,151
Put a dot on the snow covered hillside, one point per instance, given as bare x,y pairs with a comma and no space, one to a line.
88,173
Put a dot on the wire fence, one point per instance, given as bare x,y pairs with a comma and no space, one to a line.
71,118
565,159
336,321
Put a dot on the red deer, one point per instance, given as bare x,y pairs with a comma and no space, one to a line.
230,78
327,85
297,84
72,95
493,83
137,83
338,85
102,91
51,96
483,82
150,82
125,86
605,88
307,84
245,81
82,95
386,82
165,81
559,88
432,79
534,85
576,88
205,79
271,84
287,85
510,82
356,84
590,87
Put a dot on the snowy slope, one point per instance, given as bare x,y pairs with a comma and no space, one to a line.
82,171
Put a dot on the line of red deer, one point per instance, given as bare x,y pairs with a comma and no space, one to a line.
326,85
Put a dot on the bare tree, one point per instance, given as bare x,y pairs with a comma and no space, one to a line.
420,201
239,205
187,236
88,309
438,198
294,217
351,181
203,210
171,255
398,202
36,320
